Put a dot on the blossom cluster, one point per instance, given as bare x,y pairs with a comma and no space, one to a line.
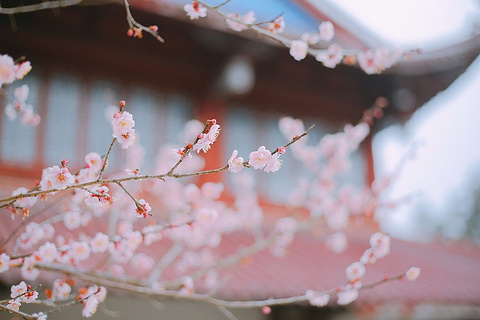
11,71
123,131
208,137
20,108
371,61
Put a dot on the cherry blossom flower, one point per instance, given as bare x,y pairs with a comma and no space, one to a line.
18,290
80,251
235,163
4,262
72,220
14,304
195,10
40,316
61,289
206,140
48,252
298,49
327,31
310,38
97,197
21,93
332,57
187,287
317,299
247,19
143,208
56,178
127,139
93,161
123,129
346,297
273,164
22,69
355,271
90,306
99,243
380,243
30,296
277,25
24,202
259,158
412,274
7,69
368,257
368,62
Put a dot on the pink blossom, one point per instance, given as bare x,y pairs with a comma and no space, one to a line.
127,139
123,129
61,289
90,306
206,140
355,271
4,262
327,31
310,38
298,49
235,164
273,164
346,297
99,243
143,208
22,69
7,69
277,25
412,274
317,299
21,93
80,251
93,161
331,57
368,62
97,197
187,286
14,304
30,296
56,178
380,243
72,220
368,257
48,252
17,290
336,242
24,202
247,19
39,316
259,158
195,10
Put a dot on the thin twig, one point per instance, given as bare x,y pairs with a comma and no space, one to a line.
104,165
135,25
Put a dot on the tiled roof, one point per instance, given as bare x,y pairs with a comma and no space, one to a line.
450,272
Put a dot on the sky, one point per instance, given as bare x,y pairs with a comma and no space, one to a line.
428,24
445,133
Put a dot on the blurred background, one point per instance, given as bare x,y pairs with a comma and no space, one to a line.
429,137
